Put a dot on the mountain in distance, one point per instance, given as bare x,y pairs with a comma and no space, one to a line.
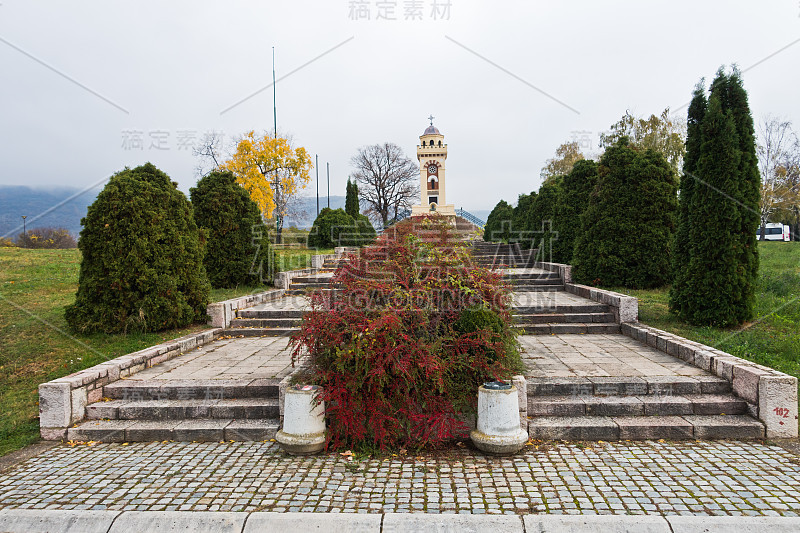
64,207
58,207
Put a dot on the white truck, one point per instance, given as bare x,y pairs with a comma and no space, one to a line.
774,232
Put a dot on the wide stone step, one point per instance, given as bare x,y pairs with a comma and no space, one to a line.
514,277
261,332
309,285
544,308
555,328
523,282
191,389
175,430
311,279
695,404
270,313
233,408
277,322
561,318
559,287
645,427
305,291
627,386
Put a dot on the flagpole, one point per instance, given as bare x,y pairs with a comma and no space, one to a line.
317,166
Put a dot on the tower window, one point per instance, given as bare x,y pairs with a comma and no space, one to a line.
440,143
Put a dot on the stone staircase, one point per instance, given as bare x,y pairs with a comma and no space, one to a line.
182,410
265,322
632,408
499,255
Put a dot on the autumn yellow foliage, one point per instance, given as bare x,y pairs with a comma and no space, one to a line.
257,163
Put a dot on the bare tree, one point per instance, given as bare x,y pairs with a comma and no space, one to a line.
387,180
208,152
778,157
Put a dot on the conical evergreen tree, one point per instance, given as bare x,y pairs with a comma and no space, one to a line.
713,290
718,287
142,258
237,246
628,227
576,187
682,245
749,189
351,206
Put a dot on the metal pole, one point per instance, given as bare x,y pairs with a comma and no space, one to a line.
329,185
277,182
274,100
24,226
317,166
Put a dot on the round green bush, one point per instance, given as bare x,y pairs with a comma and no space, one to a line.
142,259
237,247
333,227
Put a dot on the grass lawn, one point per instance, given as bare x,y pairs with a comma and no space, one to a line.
35,344
773,338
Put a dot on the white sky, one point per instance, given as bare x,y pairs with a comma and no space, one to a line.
175,66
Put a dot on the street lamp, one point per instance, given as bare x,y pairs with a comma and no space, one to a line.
24,227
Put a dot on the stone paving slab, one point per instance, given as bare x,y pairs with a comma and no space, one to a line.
548,299
288,302
604,355
225,359
22,521
685,478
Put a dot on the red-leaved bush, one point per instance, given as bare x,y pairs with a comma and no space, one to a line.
403,344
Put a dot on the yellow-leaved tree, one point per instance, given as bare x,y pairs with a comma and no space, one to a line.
272,171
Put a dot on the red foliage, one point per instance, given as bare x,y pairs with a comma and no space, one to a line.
395,372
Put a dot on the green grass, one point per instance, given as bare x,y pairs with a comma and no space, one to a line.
772,339
36,345
297,258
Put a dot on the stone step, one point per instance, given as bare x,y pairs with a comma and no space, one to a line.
692,404
191,389
535,310
627,386
309,284
177,430
233,408
272,322
561,318
514,277
609,428
270,313
540,288
554,328
305,291
260,332
523,282
311,279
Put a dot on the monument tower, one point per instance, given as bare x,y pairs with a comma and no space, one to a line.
431,154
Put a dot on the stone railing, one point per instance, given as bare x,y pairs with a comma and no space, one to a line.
221,313
771,396
63,401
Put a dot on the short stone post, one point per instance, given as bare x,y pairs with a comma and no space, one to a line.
303,430
498,430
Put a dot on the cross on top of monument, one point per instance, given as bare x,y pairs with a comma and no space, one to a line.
431,119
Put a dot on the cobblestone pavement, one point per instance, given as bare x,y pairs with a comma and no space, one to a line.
598,355
233,358
705,478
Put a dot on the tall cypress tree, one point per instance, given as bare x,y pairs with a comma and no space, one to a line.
351,200
713,290
682,244
498,223
718,287
749,188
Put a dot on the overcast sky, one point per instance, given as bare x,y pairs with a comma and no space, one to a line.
84,83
